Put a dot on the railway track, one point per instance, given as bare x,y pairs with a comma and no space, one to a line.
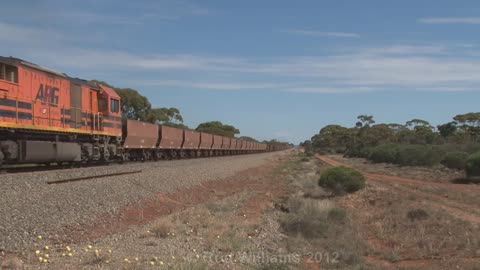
25,168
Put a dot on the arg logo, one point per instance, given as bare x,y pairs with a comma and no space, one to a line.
48,94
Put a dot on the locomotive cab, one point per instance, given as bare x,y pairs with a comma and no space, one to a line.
109,107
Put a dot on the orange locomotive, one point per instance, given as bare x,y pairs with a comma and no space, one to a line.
46,116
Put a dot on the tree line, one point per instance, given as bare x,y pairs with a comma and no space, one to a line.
463,130
416,142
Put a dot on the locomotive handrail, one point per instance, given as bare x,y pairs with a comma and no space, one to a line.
33,113
16,109
49,116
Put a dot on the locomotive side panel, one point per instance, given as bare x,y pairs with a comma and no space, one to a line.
9,89
37,98
33,98
51,94
109,110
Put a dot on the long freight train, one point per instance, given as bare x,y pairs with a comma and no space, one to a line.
46,117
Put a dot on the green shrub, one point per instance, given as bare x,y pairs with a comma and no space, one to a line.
409,154
358,151
417,214
432,156
455,160
419,155
473,165
384,153
472,148
342,179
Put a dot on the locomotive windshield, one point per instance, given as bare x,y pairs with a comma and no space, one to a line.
114,105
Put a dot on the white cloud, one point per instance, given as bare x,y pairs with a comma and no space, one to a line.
215,85
101,13
321,34
334,89
20,34
408,49
37,37
451,20
134,62
93,18
397,67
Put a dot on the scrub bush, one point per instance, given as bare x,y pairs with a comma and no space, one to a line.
342,179
455,160
473,165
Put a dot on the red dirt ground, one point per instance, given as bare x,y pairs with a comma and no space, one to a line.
455,208
408,185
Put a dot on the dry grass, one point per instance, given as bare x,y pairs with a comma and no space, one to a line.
307,217
191,266
11,262
162,228
273,266
225,237
197,218
97,259
316,224
222,207
232,240
403,230
420,235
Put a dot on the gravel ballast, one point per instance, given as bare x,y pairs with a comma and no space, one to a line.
31,207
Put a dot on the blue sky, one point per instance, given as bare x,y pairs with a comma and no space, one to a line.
272,68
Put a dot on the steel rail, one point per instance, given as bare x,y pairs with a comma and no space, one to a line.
90,177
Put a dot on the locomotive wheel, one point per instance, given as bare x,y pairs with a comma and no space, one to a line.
125,157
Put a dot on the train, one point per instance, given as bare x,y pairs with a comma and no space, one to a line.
48,117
